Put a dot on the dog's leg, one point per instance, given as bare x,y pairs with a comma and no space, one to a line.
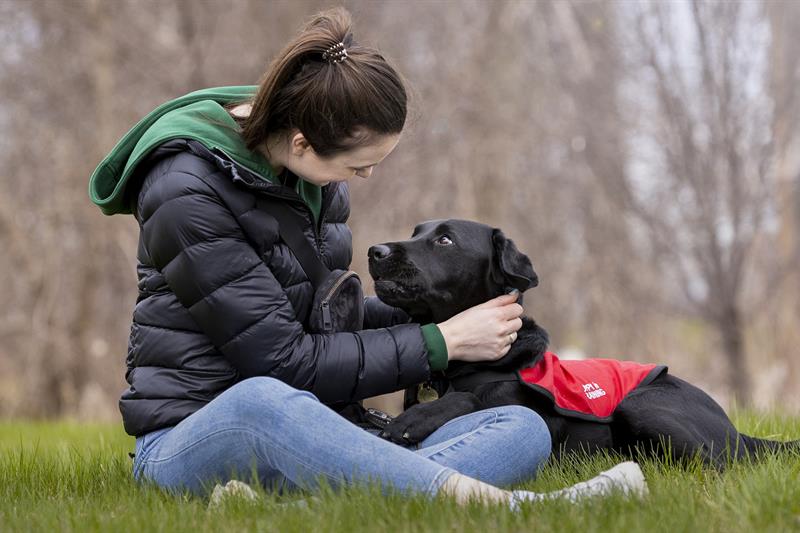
674,417
655,431
419,421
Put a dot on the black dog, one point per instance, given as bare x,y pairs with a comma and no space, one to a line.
450,265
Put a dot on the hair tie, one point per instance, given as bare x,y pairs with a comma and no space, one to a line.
335,54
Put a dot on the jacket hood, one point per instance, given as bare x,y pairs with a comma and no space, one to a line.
199,115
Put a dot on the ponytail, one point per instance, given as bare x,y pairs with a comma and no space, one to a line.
335,91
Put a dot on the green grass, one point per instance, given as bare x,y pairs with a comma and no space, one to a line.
76,477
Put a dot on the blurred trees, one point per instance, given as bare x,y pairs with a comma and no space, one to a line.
704,188
784,64
643,154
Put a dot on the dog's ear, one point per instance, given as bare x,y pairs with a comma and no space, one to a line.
510,267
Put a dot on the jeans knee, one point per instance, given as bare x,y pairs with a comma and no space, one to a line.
263,385
532,435
257,397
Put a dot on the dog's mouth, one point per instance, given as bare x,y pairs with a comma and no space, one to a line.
395,286
387,288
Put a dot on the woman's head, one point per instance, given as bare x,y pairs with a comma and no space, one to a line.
336,103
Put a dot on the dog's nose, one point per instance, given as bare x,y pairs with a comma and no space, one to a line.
379,252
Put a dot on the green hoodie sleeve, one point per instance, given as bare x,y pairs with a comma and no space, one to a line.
437,348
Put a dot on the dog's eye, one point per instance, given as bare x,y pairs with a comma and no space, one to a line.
444,240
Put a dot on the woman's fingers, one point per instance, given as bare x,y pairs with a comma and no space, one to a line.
513,326
503,299
511,312
504,351
484,332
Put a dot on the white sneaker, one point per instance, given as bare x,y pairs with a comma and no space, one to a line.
626,478
232,489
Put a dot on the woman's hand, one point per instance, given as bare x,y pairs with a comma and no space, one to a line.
484,332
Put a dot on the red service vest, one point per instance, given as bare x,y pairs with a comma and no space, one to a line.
590,389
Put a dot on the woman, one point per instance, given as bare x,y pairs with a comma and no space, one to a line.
224,379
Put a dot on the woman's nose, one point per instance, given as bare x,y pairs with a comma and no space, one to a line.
365,173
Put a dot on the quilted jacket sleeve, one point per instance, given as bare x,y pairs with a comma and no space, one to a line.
380,315
197,244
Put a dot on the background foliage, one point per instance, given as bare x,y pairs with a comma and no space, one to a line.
643,154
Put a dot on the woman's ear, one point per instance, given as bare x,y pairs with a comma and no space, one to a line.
511,267
298,143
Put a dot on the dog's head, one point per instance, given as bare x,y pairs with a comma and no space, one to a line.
446,267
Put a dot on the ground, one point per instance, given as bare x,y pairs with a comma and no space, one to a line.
62,476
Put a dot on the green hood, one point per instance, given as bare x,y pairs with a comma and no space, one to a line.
199,115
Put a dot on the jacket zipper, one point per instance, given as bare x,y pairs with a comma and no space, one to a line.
296,200
264,185
327,322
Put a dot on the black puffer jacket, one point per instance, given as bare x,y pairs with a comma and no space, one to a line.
221,298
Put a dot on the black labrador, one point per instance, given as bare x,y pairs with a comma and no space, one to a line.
450,265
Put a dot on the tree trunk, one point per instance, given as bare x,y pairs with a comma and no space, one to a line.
731,331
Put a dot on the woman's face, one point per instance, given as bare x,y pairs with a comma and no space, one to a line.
305,163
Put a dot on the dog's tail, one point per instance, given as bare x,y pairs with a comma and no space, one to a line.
754,446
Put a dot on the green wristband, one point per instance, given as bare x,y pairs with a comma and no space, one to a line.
437,348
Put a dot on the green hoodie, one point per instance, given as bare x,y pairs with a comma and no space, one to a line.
199,115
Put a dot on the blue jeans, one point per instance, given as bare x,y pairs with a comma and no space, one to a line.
285,437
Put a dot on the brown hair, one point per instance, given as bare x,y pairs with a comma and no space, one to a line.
336,105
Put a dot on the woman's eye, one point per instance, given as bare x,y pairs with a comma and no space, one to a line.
444,240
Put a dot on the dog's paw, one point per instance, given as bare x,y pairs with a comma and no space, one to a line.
418,422
412,426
